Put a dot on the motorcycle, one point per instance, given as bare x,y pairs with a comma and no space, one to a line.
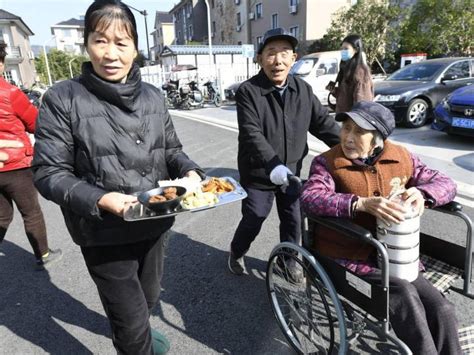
34,94
183,97
171,92
186,96
213,94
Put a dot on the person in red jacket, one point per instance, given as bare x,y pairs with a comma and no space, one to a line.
17,117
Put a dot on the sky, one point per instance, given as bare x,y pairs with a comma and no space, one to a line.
40,15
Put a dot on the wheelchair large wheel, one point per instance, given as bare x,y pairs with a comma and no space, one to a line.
308,311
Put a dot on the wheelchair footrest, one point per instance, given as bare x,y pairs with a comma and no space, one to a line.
466,338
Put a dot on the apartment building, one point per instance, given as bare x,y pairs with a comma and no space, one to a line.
69,35
163,33
190,21
307,20
19,62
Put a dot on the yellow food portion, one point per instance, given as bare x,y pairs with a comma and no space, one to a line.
199,199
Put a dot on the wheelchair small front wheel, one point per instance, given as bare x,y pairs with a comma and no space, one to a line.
305,302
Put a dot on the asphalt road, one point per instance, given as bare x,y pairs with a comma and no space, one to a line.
204,309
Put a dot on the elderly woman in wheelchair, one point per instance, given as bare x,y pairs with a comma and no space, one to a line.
354,180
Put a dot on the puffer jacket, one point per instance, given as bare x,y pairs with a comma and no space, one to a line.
17,117
95,137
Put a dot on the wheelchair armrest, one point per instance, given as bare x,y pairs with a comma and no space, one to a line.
344,226
450,207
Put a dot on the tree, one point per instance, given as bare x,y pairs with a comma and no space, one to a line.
374,20
58,65
439,28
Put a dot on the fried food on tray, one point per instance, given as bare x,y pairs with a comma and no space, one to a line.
157,198
169,193
217,186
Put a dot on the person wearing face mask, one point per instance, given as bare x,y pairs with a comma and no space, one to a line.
101,139
275,111
354,80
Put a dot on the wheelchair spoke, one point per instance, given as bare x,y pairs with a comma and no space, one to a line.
305,309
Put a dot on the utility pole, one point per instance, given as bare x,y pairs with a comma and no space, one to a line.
145,14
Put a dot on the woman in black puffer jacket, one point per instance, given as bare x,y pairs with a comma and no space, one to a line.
100,139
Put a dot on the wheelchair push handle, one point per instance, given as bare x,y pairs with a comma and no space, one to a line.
295,184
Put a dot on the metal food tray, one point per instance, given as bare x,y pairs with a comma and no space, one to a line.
138,212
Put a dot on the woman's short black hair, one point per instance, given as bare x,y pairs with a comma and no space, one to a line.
102,13
3,51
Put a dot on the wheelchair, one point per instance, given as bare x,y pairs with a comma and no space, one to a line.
333,306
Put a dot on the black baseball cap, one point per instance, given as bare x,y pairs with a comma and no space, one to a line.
370,116
275,34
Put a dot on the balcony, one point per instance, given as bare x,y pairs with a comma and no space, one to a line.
14,55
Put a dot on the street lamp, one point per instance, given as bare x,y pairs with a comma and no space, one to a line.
46,60
70,66
145,14
209,37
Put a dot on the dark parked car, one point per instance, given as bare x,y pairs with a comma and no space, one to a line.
455,114
231,90
413,92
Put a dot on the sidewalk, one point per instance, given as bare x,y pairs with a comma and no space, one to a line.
434,156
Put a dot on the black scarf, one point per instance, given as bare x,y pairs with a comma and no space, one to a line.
123,95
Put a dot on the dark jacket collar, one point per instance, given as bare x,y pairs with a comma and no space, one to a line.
267,86
123,95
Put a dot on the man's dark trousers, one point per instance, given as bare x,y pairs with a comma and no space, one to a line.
256,208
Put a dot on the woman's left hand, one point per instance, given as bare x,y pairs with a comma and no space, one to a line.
193,175
413,197
114,202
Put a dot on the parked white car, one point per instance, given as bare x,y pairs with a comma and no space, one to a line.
318,69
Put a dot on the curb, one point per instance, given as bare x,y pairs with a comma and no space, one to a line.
465,192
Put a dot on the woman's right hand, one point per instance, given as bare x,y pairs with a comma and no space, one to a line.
114,202
380,207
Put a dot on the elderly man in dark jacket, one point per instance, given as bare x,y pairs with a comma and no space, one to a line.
275,111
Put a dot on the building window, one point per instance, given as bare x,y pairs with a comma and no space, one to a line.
7,75
259,10
274,20
239,20
237,2
212,3
190,33
295,31
293,2
213,26
259,40
222,36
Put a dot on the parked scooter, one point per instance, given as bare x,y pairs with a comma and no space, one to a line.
213,94
170,89
185,97
191,96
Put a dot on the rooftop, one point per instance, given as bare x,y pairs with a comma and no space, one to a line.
164,17
201,49
5,15
70,22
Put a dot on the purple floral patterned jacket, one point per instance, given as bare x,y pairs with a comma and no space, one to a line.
319,196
